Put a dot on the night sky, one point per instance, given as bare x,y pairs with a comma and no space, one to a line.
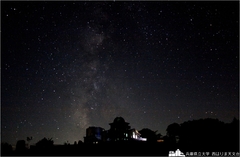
70,65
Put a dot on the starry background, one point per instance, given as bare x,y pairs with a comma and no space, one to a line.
70,65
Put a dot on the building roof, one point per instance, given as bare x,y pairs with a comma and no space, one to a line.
119,120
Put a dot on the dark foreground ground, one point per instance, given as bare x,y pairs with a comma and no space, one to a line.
118,149
107,149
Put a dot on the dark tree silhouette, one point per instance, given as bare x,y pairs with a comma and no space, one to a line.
28,140
80,142
159,135
6,148
66,143
149,134
173,130
231,136
210,134
21,146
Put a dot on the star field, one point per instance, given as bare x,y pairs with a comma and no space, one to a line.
70,65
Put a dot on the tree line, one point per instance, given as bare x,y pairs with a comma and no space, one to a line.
196,135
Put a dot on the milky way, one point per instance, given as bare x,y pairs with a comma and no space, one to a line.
70,65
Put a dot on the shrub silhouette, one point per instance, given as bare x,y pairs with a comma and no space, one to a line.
45,142
149,134
6,148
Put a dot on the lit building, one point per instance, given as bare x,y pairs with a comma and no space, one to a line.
119,131
135,135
